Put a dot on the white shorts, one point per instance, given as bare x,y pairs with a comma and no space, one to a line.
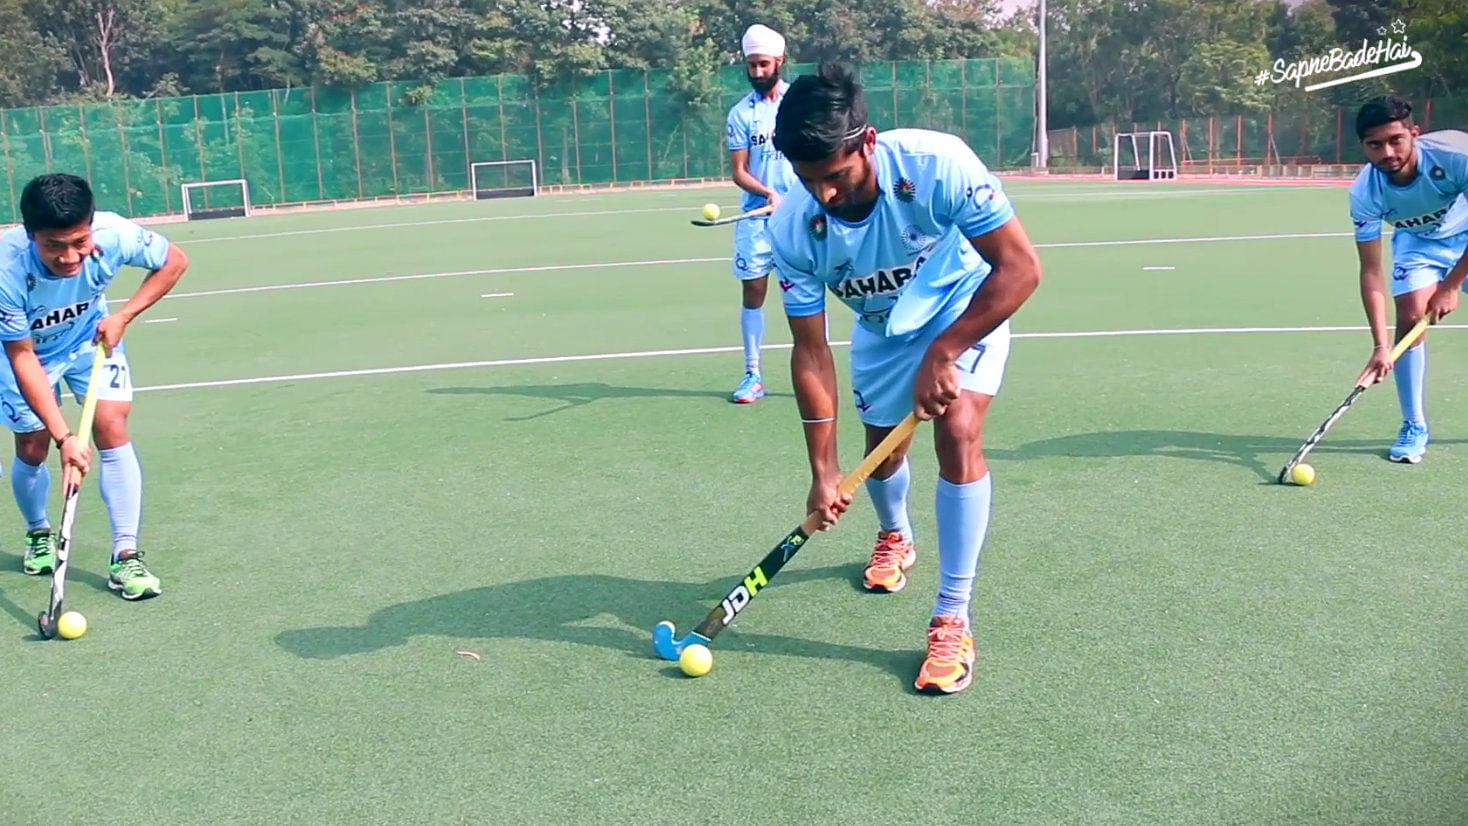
884,370
753,256
1422,262
76,370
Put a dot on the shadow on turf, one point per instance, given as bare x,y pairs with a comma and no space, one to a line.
582,393
560,608
27,618
1245,451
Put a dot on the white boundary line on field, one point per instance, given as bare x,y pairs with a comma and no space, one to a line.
1110,195
693,351
673,261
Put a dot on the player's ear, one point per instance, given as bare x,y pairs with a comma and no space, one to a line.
869,143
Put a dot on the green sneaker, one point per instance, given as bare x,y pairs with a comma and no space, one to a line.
40,552
131,578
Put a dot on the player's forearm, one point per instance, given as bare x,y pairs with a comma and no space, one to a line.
35,388
1374,301
746,181
156,285
999,297
813,375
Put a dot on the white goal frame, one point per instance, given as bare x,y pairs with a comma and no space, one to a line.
503,192
1157,168
192,214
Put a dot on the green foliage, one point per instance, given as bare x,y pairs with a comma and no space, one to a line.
1109,60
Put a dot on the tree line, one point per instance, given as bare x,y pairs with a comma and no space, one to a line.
1109,60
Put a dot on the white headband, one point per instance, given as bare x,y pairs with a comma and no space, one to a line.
760,39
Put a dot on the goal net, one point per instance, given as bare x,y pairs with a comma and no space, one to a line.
503,179
216,199
1143,156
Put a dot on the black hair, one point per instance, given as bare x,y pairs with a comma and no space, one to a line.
1380,111
821,114
56,201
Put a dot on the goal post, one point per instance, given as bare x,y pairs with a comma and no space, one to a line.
216,199
504,179
1143,156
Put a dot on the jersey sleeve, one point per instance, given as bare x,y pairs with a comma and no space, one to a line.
1458,168
738,129
801,292
968,195
1365,215
138,246
13,324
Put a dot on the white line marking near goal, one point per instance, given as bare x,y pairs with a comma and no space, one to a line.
497,295
159,320
695,351
1158,269
299,285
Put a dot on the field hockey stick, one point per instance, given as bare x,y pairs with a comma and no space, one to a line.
665,640
718,222
46,621
1407,340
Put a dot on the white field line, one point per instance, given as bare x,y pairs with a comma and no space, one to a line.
659,262
691,351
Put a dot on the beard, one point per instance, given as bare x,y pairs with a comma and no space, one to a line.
763,85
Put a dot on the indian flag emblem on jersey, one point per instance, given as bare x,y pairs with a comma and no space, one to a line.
817,226
906,190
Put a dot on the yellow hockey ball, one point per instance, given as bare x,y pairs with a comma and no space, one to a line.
71,625
710,212
696,660
1302,475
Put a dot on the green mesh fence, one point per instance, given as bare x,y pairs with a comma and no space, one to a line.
1319,134
304,144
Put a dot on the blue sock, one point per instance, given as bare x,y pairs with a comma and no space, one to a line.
32,485
963,519
752,324
122,490
1410,370
889,497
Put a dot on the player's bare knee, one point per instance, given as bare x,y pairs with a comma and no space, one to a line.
32,448
109,429
754,292
894,460
958,439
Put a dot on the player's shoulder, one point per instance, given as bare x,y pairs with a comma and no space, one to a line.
111,223
1364,187
1447,141
15,261
924,143
15,248
742,110
1446,153
926,155
794,209
112,232
798,222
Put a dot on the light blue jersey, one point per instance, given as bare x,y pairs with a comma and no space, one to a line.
61,315
909,262
1431,207
751,126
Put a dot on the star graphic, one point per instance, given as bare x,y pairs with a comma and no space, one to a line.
1398,27
1381,30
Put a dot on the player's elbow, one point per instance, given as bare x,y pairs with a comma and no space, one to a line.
178,258
1023,270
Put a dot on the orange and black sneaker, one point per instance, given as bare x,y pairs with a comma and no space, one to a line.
892,556
949,667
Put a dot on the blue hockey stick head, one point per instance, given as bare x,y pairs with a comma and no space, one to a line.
668,646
